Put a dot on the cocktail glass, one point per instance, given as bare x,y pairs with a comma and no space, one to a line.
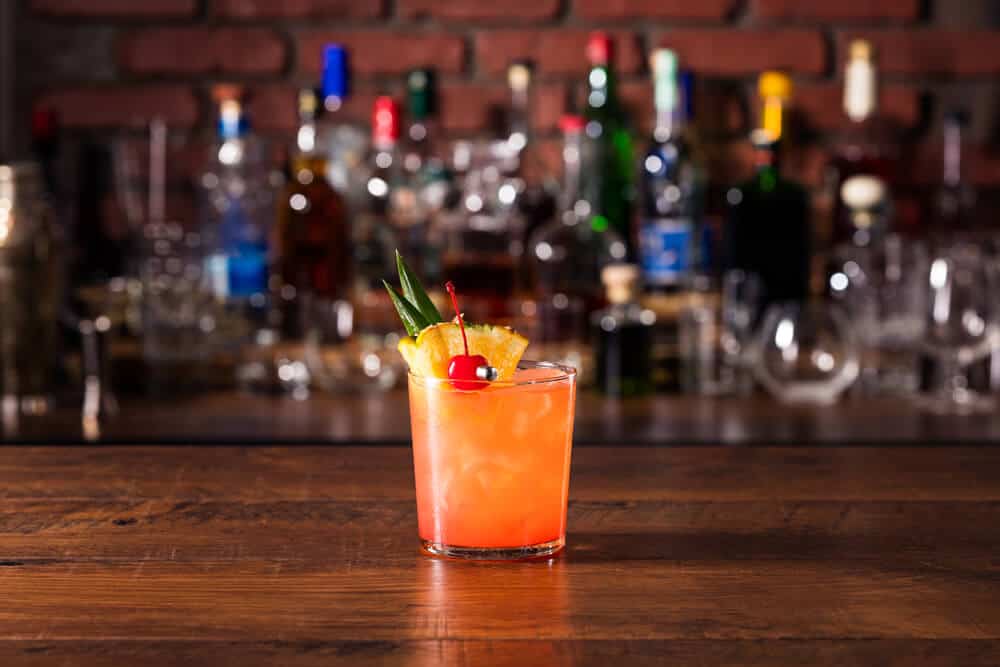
492,464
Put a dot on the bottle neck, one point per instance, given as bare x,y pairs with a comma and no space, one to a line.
772,120
860,89
519,123
669,119
668,125
572,185
601,97
952,154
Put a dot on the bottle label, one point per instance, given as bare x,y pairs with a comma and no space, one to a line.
665,250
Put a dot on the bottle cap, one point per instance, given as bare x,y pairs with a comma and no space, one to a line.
336,77
860,49
421,93
385,120
663,63
599,49
519,75
308,104
621,282
775,85
570,123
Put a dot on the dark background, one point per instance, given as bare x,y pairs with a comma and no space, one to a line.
106,63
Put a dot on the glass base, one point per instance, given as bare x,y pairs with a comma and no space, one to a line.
956,402
543,550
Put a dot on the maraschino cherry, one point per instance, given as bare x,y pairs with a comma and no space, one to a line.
466,371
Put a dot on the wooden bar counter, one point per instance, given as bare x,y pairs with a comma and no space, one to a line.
227,555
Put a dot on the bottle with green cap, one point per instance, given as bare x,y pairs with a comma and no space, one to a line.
769,231
670,187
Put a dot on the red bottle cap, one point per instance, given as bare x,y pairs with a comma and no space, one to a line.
599,49
570,123
385,120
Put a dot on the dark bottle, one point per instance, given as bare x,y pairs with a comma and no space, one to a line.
670,187
314,237
611,183
866,151
622,334
769,224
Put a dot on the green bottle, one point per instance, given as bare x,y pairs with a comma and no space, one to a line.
770,233
608,182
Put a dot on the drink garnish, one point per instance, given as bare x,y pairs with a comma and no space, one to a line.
414,307
465,353
466,371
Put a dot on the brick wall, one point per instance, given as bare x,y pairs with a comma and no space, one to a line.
103,63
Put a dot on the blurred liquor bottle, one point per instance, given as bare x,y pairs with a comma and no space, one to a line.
671,190
565,257
374,235
425,183
345,144
536,190
867,152
238,209
611,188
769,231
622,335
671,187
955,199
313,231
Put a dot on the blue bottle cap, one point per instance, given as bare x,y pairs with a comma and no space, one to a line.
336,76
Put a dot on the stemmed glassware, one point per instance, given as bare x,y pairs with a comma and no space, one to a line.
961,323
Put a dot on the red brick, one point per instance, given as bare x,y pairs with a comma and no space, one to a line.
203,51
473,10
258,9
272,107
745,52
612,10
379,51
837,10
124,8
553,51
719,107
955,52
823,105
104,107
468,107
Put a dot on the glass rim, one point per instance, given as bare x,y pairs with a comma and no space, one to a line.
567,373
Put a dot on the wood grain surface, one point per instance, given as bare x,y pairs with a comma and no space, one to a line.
122,555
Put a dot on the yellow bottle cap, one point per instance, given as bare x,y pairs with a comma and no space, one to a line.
775,85
860,49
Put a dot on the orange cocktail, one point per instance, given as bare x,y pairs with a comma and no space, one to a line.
492,464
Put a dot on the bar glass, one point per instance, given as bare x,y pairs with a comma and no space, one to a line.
492,464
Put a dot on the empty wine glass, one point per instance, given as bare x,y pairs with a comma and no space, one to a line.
806,353
961,324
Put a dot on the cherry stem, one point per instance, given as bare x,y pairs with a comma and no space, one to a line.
450,286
